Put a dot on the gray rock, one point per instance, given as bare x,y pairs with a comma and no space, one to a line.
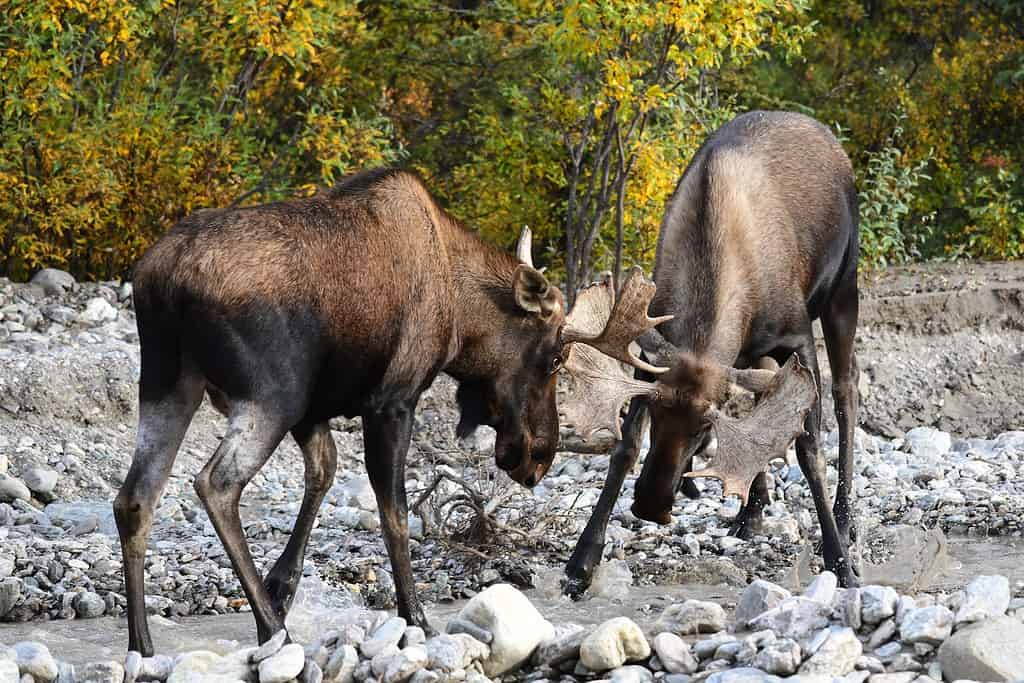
742,675
55,282
89,605
781,657
631,674
283,666
156,668
387,634
883,634
823,588
757,598
612,644
41,481
406,663
902,677
989,650
100,672
35,658
414,635
564,646
269,648
450,652
10,593
12,489
515,625
359,494
203,665
73,514
836,656
852,607
889,650
674,654
9,672
878,603
928,443
795,617
342,665
425,676
705,649
692,616
932,625
132,666
311,673
984,597
98,311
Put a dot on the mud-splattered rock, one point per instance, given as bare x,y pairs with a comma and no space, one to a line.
692,616
514,624
612,644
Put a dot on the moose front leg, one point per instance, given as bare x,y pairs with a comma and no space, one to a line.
386,435
590,546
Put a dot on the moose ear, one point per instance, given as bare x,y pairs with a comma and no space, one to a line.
533,293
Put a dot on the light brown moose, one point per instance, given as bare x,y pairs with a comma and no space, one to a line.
758,240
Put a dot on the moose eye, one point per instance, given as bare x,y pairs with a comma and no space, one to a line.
556,364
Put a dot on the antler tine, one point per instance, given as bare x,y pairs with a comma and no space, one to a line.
524,248
627,321
746,445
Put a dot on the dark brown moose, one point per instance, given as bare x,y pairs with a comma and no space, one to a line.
758,240
346,303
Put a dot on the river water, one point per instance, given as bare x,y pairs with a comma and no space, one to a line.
932,563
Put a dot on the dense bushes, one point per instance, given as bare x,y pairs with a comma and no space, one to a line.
117,118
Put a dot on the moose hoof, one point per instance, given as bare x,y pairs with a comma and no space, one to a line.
574,588
658,515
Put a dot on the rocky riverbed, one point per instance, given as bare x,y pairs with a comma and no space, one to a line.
943,459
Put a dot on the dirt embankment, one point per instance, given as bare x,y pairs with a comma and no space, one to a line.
940,345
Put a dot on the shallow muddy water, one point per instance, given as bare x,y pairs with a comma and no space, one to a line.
945,566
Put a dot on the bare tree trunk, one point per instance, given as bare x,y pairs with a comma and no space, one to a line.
620,207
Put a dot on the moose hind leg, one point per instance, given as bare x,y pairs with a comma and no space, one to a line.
812,463
321,462
590,546
386,435
162,426
252,436
839,326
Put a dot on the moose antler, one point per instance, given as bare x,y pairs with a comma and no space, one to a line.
746,445
603,329
625,320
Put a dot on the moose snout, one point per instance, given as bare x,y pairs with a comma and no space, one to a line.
526,460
